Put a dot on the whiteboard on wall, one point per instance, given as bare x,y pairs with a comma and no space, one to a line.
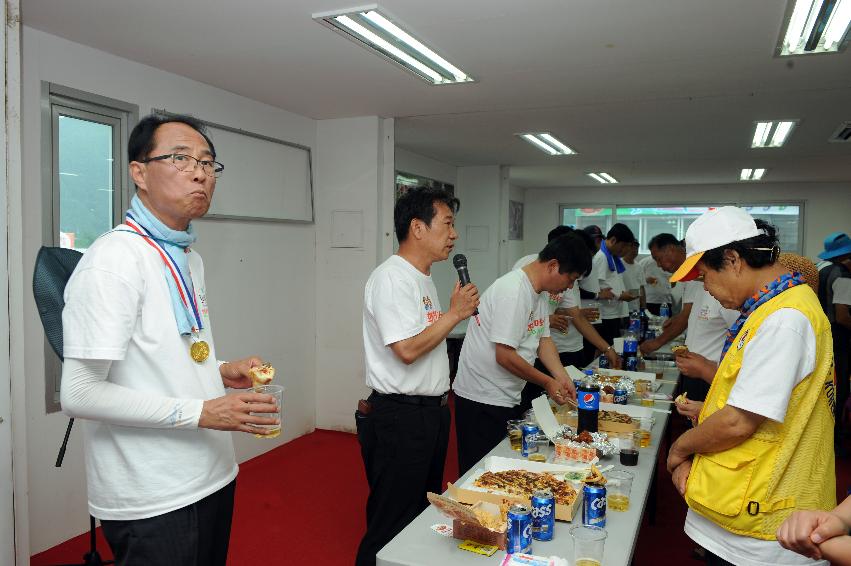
264,178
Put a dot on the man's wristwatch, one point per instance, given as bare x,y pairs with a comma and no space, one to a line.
611,347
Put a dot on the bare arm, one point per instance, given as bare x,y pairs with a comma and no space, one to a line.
508,358
590,333
548,354
724,429
675,327
464,301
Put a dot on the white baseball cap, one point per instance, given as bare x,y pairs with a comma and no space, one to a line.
713,229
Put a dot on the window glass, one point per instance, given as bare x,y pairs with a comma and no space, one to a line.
86,172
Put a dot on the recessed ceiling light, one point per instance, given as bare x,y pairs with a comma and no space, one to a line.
815,26
547,143
370,28
603,178
751,174
772,134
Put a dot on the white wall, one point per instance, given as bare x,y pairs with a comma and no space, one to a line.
351,169
442,273
260,275
827,206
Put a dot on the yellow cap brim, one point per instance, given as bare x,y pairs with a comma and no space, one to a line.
688,270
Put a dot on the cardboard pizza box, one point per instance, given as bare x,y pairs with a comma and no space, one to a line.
469,493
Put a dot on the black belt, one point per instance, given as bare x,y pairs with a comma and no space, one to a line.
428,400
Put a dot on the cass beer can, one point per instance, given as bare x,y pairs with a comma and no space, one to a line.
620,395
604,361
543,515
519,530
594,506
530,439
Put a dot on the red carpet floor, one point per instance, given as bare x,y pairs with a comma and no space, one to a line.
311,494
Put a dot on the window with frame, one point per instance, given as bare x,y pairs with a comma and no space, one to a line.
86,185
647,221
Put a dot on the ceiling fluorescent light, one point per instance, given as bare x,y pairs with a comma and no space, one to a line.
772,134
547,142
751,174
603,178
370,28
815,26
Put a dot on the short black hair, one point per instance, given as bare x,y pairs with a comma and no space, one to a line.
418,204
663,240
759,251
571,253
621,233
141,142
586,239
558,231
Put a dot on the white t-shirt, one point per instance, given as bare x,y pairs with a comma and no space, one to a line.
633,280
708,322
572,340
400,302
764,386
566,342
118,307
659,292
842,291
610,308
513,314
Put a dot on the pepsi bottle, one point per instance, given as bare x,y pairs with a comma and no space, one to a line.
645,325
630,351
588,402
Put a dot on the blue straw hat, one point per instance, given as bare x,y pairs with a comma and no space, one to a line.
836,245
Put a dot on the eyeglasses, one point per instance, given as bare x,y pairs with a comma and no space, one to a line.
182,162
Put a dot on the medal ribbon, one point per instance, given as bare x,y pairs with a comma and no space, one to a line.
187,297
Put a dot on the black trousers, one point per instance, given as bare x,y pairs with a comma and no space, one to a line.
608,329
195,535
478,428
404,449
653,308
714,560
840,360
695,388
532,391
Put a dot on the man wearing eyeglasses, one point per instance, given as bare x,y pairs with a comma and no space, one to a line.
140,364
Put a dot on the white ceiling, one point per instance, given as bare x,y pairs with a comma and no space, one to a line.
655,92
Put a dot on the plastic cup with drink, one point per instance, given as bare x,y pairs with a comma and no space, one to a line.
588,545
276,391
618,486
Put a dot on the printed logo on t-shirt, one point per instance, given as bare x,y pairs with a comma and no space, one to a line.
535,326
554,298
202,303
431,314
703,313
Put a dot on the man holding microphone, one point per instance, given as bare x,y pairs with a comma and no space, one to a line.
403,427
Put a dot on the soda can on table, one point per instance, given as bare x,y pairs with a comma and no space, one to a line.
620,395
529,443
604,361
594,506
543,514
519,530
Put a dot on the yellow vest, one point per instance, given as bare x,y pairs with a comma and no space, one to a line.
752,488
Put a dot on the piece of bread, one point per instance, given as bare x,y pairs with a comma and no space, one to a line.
680,350
262,375
681,399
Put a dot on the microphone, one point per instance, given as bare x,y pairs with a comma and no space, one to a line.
460,263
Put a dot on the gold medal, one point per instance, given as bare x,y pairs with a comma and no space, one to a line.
199,351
